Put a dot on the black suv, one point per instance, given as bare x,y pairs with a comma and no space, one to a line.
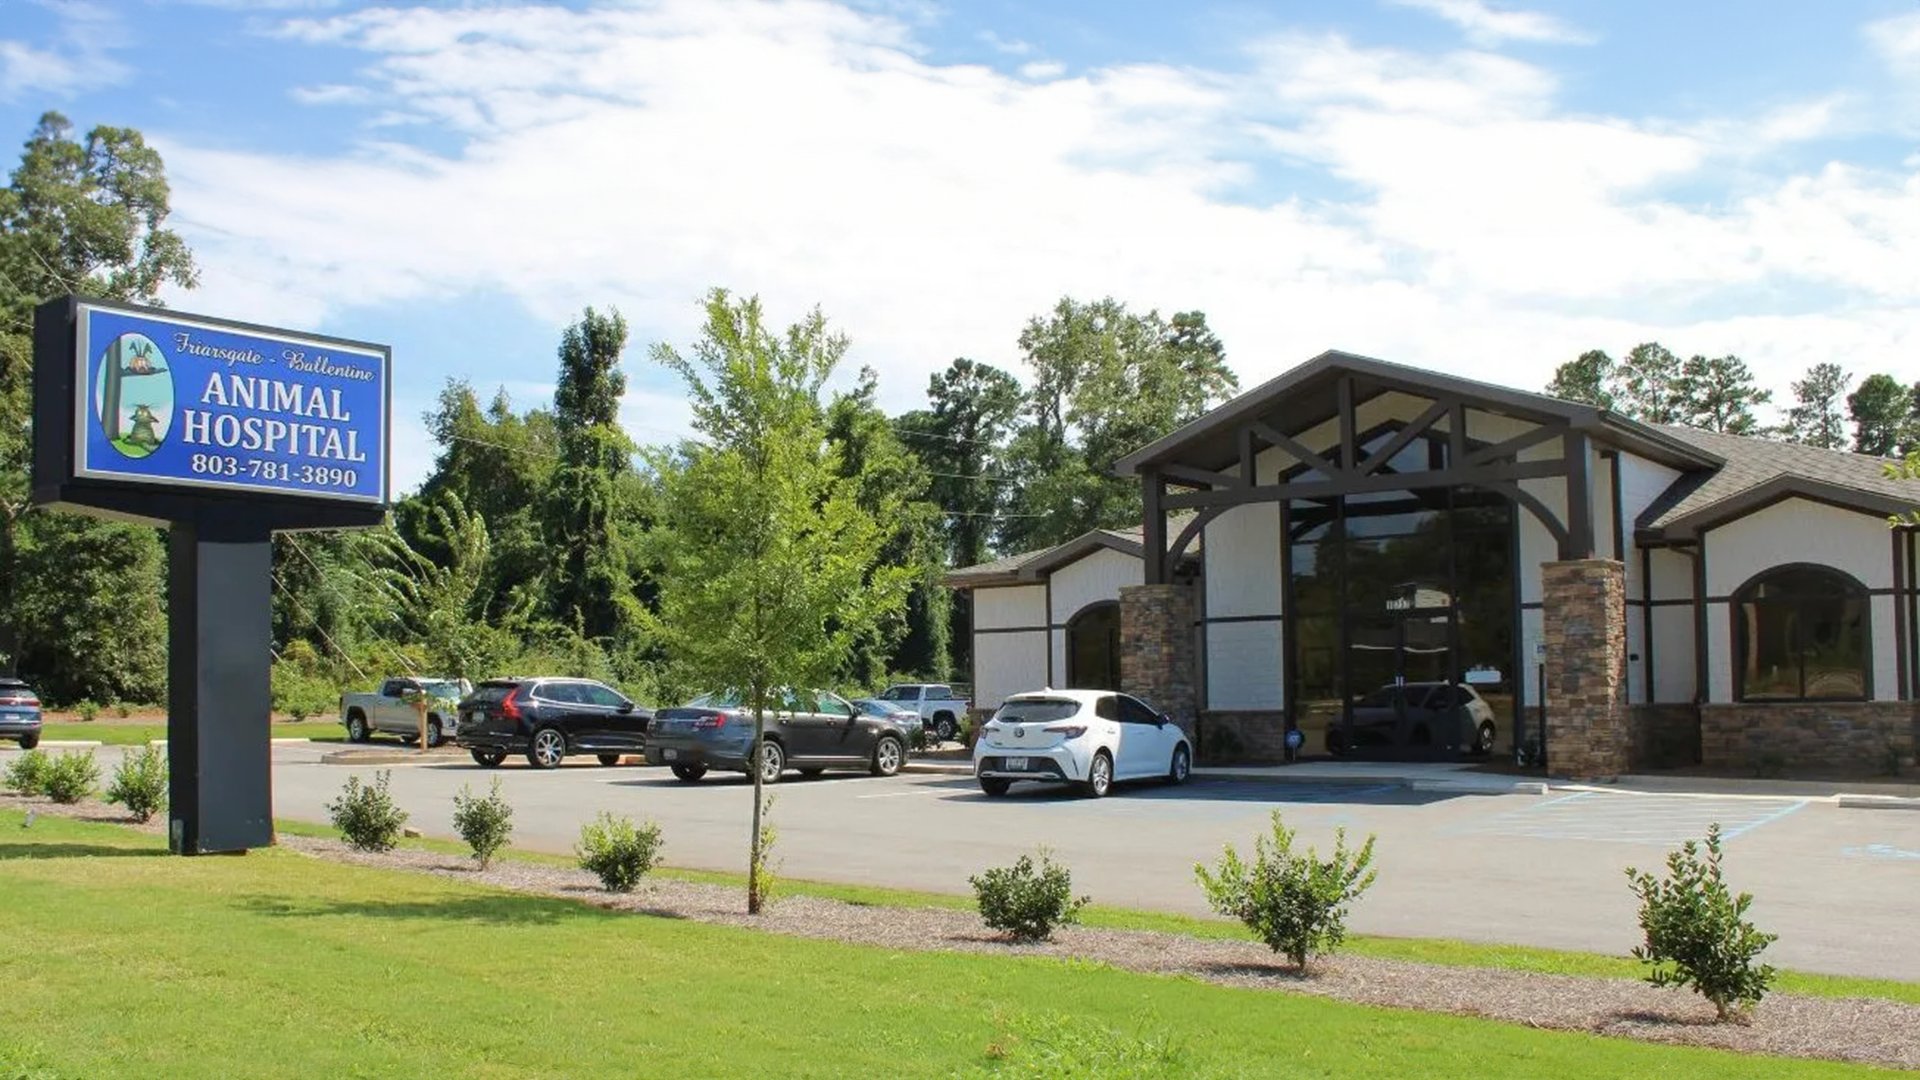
19,713
547,719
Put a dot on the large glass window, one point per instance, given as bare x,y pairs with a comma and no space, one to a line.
1800,634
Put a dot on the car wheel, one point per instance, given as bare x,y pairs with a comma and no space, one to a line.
434,736
1182,765
689,773
888,756
609,760
28,742
1099,776
357,728
944,727
489,759
1484,744
773,762
994,786
548,748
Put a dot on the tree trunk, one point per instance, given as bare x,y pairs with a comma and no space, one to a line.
753,768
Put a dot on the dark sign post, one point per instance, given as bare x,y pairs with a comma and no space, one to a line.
225,432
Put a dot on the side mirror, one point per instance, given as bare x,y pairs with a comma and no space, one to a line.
626,706
1163,720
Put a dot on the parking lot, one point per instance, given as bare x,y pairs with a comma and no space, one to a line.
1836,884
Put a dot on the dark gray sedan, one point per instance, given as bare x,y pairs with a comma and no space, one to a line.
808,730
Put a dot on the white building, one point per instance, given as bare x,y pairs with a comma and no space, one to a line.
1358,549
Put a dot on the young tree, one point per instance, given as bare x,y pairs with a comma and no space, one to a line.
770,567
82,216
1650,386
1586,379
1814,419
1884,416
1718,394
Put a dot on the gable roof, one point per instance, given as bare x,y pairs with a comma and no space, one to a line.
1031,567
1207,431
1761,471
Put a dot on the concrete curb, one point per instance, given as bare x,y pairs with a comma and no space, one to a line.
938,767
71,744
1459,787
384,757
1876,802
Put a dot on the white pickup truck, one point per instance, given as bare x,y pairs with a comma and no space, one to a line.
391,710
939,707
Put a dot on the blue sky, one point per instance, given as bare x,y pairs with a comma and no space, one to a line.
1484,188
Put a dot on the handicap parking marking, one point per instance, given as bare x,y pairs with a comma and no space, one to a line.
1634,817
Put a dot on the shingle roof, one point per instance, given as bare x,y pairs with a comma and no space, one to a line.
1757,469
1008,568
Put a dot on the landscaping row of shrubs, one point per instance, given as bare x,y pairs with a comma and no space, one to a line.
1696,929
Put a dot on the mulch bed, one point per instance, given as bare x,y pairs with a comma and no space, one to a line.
1863,1030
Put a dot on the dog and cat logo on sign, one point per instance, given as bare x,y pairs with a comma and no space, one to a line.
133,395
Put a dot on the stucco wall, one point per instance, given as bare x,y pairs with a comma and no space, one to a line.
1013,605
1243,580
1243,665
1006,664
1673,670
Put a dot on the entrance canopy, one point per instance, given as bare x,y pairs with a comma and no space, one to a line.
1321,417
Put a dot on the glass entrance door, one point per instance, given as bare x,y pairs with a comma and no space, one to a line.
1400,700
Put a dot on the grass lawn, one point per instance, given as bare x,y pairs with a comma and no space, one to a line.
123,733
127,962
1419,950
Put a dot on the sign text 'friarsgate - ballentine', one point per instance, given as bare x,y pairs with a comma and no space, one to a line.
171,400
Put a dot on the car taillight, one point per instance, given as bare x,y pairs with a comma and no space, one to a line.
510,705
1071,731
710,722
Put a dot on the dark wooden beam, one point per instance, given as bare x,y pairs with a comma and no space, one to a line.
1343,394
1457,434
1247,457
1407,434
1541,512
1154,528
1193,527
1579,499
1204,477
1502,450
1355,484
1291,445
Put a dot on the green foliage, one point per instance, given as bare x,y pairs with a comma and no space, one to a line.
1587,379
86,710
71,777
484,822
27,774
1648,385
89,605
961,439
301,695
1886,416
617,852
1026,902
1814,419
1106,381
366,814
436,601
1051,1046
140,782
122,710
1297,904
1697,931
768,558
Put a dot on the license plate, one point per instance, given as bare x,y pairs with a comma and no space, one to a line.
1016,764
669,754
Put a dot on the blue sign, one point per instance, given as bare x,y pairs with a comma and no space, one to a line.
181,401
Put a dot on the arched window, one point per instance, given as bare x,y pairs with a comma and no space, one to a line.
1093,647
1800,634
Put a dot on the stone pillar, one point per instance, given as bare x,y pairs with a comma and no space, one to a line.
1156,649
1584,602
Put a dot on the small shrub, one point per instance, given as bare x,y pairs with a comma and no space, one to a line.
366,815
617,852
484,822
1297,904
140,783
1026,902
72,777
1697,932
28,773
87,711
122,710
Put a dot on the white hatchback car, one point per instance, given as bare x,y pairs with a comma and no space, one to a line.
1087,737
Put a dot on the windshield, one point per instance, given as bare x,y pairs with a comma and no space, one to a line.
901,693
720,699
440,687
1036,711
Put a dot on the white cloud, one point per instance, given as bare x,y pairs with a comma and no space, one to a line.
80,57
1010,46
1042,70
1897,40
331,94
1442,209
1488,25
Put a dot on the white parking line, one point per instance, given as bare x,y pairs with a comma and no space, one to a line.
898,794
